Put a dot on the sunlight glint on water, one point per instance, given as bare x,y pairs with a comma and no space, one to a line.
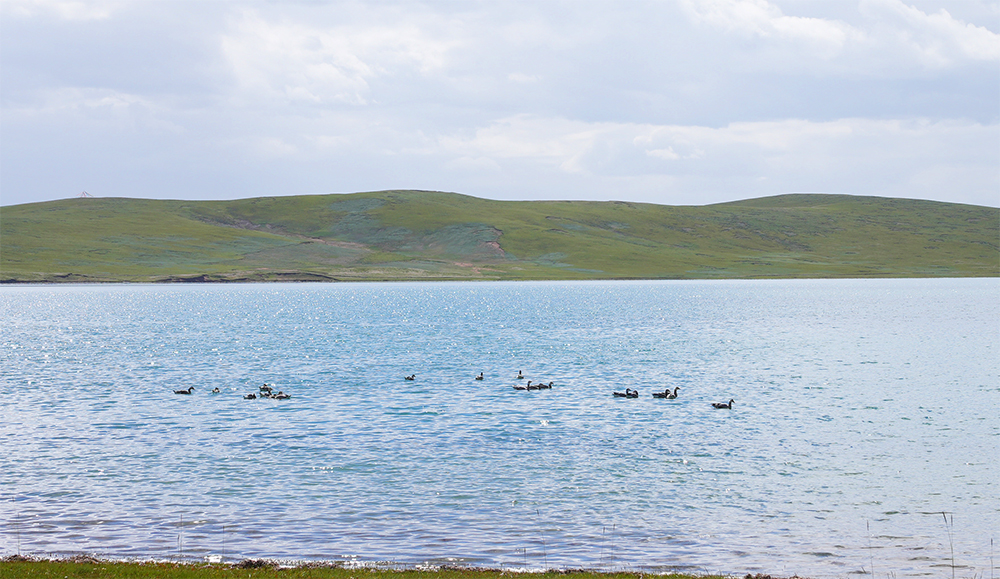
864,409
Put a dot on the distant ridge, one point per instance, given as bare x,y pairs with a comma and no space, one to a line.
428,235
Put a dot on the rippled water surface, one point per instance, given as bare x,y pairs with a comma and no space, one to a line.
864,410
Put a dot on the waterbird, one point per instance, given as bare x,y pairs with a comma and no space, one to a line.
480,377
281,396
666,393
519,387
628,393
216,390
265,388
188,391
520,376
723,405
410,377
250,396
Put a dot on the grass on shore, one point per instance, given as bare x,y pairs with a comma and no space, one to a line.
22,567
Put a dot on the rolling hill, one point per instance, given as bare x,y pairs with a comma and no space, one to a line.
422,235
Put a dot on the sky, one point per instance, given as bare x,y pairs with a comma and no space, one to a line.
674,102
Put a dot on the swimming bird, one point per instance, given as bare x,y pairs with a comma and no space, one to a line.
480,377
188,391
410,377
535,387
520,376
666,393
281,396
266,388
723,405
216,390
519,387
545,386
628,393
250,396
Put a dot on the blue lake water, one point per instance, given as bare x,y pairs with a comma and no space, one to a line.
864,410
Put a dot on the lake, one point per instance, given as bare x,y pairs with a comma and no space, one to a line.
864,433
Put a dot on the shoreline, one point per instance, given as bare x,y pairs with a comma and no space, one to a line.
203,280
91,566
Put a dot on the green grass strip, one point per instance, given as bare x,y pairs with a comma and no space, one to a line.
85,567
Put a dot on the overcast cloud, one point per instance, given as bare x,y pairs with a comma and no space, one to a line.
672,101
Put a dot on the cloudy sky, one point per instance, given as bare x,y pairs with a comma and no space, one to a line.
679,102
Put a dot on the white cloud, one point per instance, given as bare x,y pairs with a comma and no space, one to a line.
557,142
268,147
293,62
936,39
90,98
667,153
846,155
523,78
473,165
887,36
763,19
329,141
299,62
677,101
64,9
577,146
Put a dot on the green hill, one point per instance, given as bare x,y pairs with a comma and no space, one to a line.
419,235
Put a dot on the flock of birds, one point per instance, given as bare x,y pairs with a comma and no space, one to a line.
266,391
628,393
667,394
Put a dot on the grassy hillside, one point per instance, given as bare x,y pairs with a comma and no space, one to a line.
393,235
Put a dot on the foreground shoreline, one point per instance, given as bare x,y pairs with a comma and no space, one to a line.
75,280
17,566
